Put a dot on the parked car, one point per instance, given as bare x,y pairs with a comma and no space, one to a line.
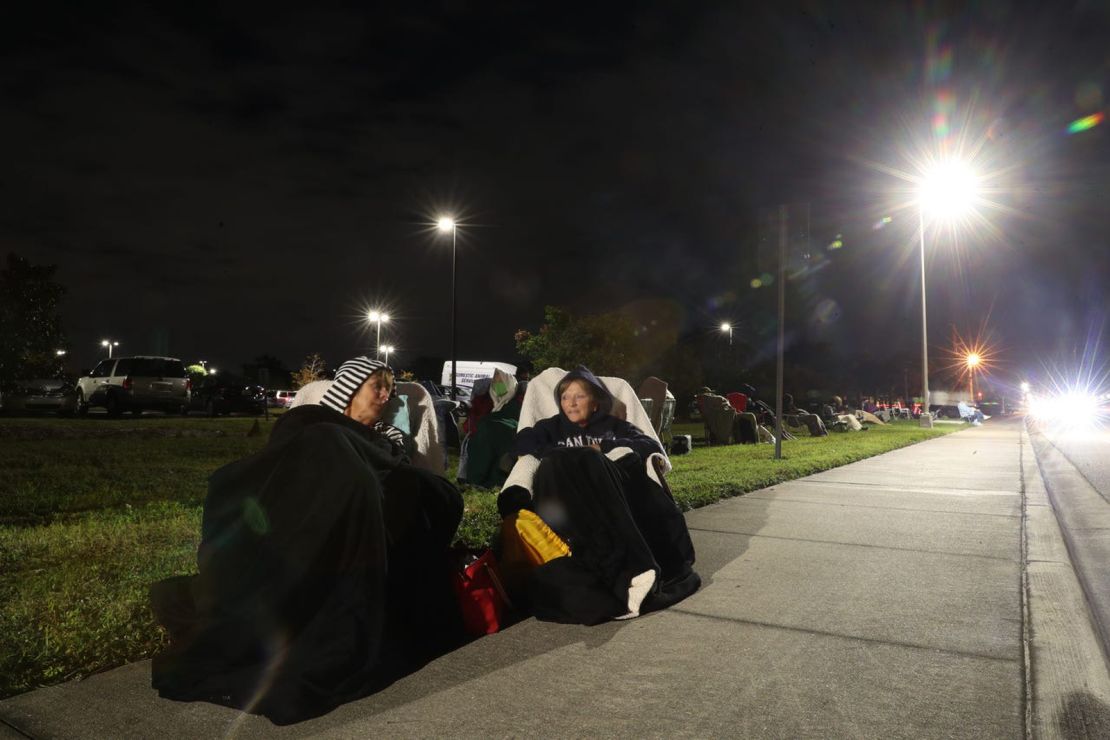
281,399
133,384
225,394
57,395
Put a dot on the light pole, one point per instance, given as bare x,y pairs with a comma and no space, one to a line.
727,327
973,360
379,318
945,190
109,344
446,224
387,349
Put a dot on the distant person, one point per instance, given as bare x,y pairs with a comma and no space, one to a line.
321,564
491,436
970,413
799,417
630,549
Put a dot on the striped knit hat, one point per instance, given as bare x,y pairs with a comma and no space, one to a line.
348,378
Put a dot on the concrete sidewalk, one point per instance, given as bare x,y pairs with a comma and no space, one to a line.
887,598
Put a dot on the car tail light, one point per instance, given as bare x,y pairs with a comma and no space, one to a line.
126,385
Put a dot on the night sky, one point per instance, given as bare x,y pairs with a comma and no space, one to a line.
221,183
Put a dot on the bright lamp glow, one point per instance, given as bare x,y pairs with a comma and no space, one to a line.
446,224
948,189
1072,409
973,360
726,327
1024,387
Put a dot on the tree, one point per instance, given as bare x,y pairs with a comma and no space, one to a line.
267,370
605,343
196,373
30,326
312,370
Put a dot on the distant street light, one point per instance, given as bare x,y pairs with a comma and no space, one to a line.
378,318
59,353
727,327
445,224
109,344
387,349
947,190
1024,387
973,361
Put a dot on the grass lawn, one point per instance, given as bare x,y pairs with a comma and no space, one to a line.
94,510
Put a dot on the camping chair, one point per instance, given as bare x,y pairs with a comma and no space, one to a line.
718,417
738,401
655,390
667,419
410,410
539,403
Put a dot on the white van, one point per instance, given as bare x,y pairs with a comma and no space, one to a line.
467,372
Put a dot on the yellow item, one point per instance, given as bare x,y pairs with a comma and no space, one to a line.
537,541
527,541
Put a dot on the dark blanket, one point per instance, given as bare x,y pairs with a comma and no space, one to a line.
618,523
321,574
492,440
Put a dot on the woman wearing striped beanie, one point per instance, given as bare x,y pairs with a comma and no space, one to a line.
321,566
361,390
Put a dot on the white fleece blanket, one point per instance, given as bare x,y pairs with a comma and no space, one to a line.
539,403
429,454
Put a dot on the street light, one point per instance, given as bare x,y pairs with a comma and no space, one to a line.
946,190
59,353
378,318
387,349
445,224
727,327
109,344
973,361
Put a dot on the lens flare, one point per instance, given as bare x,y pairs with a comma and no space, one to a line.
1073,409
1072,397
971,359
1087,122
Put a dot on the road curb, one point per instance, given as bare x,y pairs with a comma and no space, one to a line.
1068,680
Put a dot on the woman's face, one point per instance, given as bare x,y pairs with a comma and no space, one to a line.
577,402
369,400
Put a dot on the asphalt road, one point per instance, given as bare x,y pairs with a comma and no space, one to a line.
1089,452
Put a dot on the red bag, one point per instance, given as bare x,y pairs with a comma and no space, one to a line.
482,600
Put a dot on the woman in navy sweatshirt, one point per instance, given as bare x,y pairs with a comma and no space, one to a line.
630,549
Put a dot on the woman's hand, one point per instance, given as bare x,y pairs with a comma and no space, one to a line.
512,500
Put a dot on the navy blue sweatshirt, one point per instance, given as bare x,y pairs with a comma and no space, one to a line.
602,428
